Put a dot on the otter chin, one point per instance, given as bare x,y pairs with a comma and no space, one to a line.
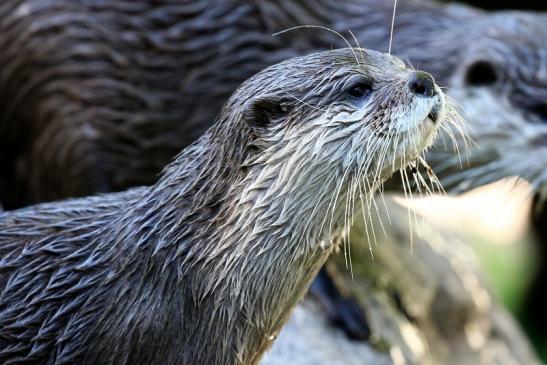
205,266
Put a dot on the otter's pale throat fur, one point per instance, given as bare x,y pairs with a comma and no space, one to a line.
205,266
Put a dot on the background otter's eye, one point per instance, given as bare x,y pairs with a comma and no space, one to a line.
481,73
360,90
541,111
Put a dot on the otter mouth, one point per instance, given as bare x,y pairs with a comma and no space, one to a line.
434,114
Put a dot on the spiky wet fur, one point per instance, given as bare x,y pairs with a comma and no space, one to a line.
205,266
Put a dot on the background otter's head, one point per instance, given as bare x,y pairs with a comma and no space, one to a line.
500,81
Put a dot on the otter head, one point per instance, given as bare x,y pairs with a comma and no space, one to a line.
500,81
330,127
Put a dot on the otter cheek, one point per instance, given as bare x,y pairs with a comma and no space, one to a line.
347,118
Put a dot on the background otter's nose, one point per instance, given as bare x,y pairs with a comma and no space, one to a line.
422,83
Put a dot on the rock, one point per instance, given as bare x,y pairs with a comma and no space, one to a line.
428,305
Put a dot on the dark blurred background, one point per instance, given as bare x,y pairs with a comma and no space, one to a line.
509,4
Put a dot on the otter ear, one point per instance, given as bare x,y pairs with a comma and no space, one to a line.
261,111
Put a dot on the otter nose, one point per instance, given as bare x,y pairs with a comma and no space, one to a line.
422,83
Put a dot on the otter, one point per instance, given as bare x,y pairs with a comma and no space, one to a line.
99,96
204,266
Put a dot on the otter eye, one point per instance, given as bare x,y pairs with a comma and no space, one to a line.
481,73
541,111
360,90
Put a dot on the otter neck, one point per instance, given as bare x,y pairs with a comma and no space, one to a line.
253,245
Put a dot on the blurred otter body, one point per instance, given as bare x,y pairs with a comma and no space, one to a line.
204,266
98,96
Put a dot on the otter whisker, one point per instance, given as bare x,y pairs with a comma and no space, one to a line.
347,223
380,191
365,224
386,210
429,191
456,120
355,186
411,233
369,215
304,102
452,139
377,209
383,154
411,198
349,195
413,170
349,212
320,27
358,45
362,169
395,145
392,26
436,186
332,204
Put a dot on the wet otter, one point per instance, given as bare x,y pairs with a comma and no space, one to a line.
123,85
204,266
111,90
